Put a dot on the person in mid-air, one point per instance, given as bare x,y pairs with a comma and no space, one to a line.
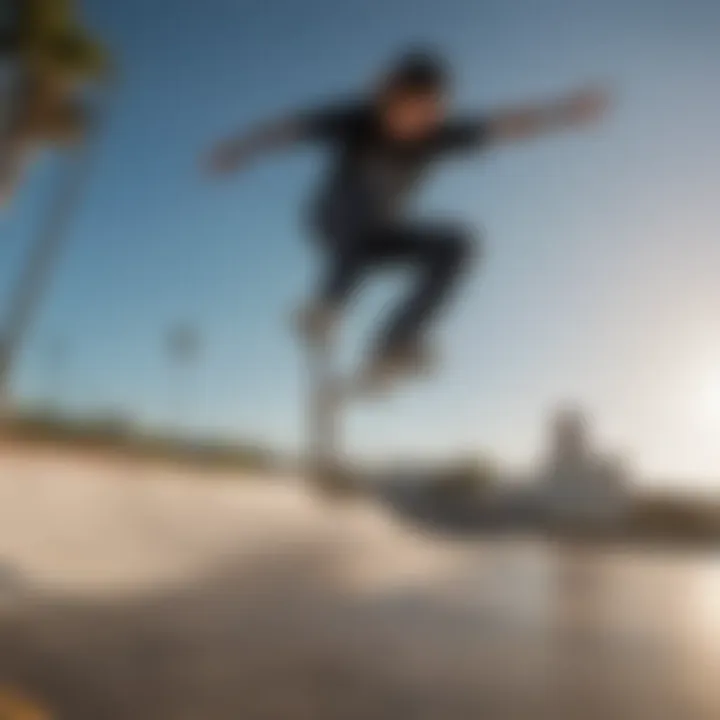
383,144
46,61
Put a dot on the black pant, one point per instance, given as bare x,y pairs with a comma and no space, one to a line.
437,252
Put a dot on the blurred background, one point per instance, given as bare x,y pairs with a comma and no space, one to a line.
537,536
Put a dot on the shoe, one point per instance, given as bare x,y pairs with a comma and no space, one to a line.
386,368
417,358
315,323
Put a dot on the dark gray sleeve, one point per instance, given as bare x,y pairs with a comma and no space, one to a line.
329,123
464,135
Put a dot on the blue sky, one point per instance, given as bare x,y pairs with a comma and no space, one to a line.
602,255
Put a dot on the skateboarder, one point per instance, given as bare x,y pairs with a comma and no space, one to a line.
383,143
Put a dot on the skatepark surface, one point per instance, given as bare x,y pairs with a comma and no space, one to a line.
139,591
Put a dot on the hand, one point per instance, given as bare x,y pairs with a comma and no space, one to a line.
585,106
223,159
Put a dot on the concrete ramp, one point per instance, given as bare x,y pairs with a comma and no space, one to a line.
135,591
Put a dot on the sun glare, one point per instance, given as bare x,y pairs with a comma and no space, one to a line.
711,399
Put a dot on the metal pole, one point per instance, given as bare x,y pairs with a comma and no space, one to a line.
36,273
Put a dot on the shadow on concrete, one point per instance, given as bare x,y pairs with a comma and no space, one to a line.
288,636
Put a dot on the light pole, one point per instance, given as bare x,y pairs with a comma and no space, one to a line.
57,367
182,344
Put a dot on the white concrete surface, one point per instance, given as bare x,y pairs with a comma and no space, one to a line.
144,592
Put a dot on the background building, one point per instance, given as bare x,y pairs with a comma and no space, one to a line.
579,482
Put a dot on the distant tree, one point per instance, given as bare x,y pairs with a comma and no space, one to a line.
676,518
466,477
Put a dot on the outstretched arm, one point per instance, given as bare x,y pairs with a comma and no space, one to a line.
579,108
325,123
233,153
